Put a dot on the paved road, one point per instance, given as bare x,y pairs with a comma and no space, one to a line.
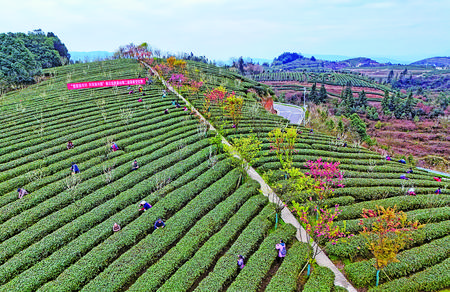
434,171
294,114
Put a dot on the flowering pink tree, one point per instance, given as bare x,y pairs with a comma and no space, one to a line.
177,80
322,228
329,177
195,86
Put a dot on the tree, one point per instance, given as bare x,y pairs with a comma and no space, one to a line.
313,94
328,176
408,109
59,46
349,99
249,149
359,126
241,65
386,235
390,76
233,107
362,99
313,59
321,228
385,101
283,143
322,94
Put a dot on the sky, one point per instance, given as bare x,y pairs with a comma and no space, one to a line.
403,30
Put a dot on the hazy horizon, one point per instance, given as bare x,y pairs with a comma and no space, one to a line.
401,30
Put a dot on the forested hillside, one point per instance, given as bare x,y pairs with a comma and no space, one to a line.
24,55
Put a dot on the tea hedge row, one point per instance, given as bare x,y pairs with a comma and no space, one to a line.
355,246
321,279
94,258
204,258
225,269
363,274
88,220
56,263
285,279
187,245
258,265
431,279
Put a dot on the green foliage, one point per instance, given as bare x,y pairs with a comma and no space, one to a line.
362,274
210,228
249,148
260,262
313,95
430,279
23,56
246,244
372,114
355,246
322,94
387,235
359,126
322,279
285,280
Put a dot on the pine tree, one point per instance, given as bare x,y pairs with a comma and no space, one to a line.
349,99
385,101
409,104
362,99
313,94
397,106
322,94
390,76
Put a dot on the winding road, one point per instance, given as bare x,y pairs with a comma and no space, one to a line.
293,113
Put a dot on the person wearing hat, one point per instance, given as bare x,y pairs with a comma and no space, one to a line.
116,227
159,224
22,192
145,206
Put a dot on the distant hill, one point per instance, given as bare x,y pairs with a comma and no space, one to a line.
360,62
434,61
294,61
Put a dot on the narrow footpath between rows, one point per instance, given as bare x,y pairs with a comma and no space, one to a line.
321,259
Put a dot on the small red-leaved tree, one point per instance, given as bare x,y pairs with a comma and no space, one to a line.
329,177
386,235
321,228
233,107
217,95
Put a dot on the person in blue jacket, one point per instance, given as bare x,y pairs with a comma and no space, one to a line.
145,206
74,168
438,191
159,224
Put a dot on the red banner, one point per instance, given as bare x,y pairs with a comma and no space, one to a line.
106,83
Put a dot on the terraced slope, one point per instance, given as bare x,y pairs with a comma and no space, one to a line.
59,237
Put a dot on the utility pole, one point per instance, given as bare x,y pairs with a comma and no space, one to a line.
304,106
